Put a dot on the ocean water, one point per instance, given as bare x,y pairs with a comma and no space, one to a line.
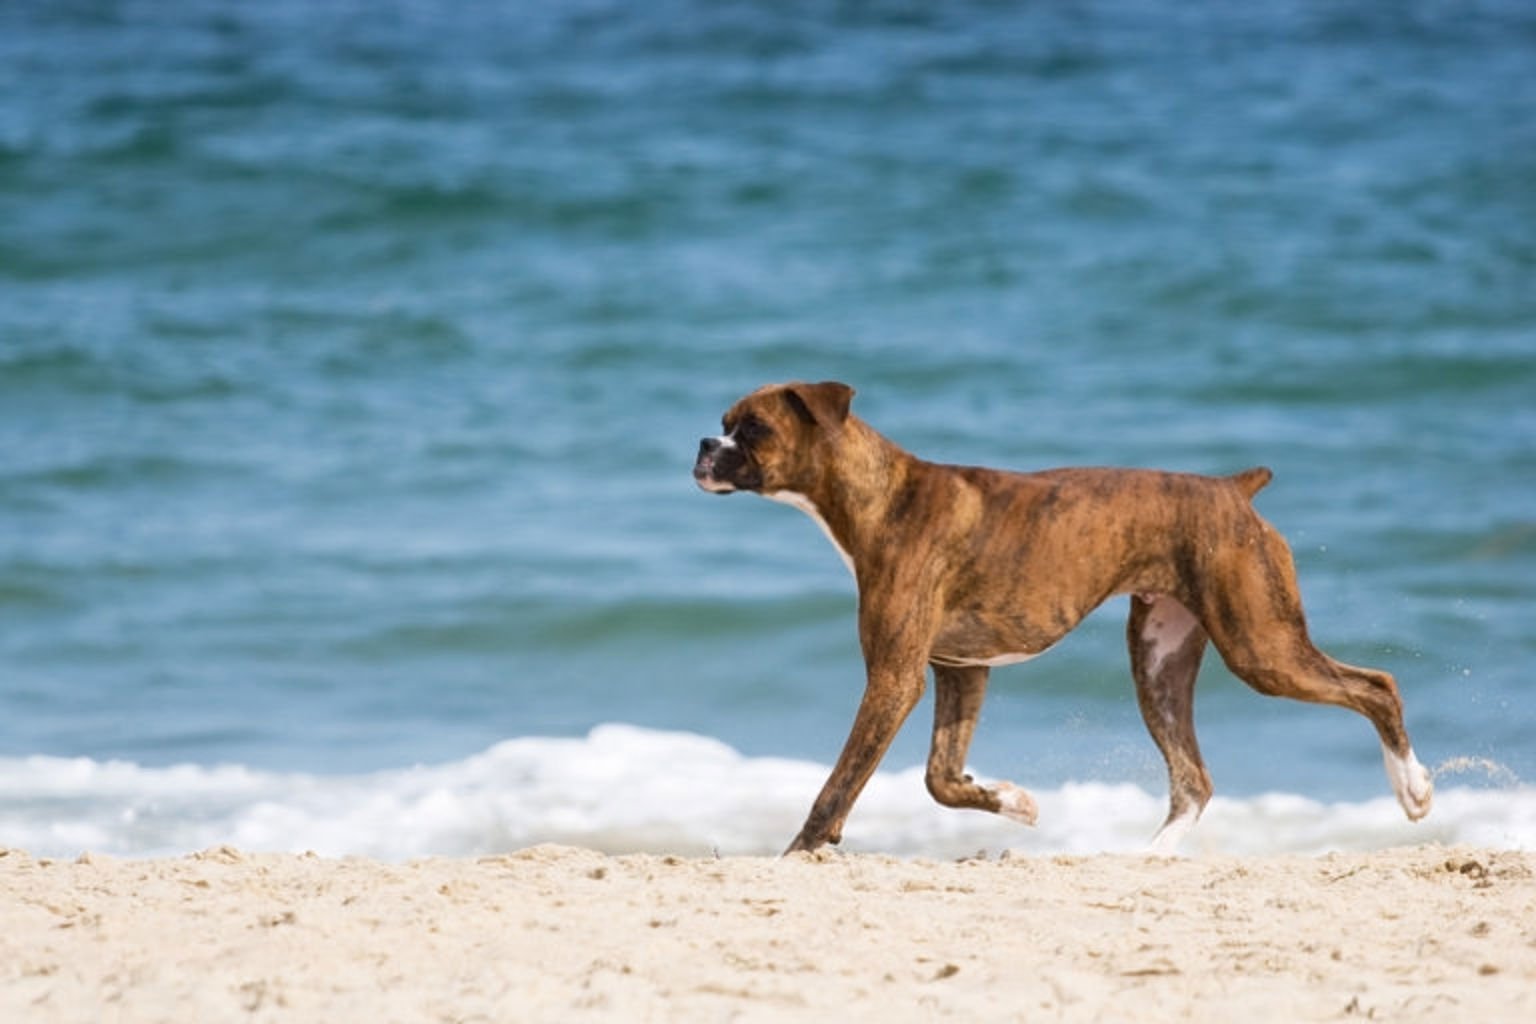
353,358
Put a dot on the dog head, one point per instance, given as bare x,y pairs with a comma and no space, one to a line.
774,439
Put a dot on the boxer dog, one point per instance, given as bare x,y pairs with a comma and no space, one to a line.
963,569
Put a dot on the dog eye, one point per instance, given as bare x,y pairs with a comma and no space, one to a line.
752,429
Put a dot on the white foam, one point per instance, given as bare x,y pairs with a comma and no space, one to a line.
625,789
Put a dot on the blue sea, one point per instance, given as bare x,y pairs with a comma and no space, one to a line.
353,358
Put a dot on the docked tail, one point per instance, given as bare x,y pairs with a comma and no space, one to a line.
1252,481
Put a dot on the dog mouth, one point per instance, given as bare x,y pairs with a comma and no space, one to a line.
704,467
721,468
704,476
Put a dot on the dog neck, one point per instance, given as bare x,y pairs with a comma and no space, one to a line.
852,496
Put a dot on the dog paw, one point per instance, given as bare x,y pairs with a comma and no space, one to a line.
1412,783
1015,803
1166,842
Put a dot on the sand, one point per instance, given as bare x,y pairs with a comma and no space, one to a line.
556,934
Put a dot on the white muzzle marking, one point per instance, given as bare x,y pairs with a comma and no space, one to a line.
709,483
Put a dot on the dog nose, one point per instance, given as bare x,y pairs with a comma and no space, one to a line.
708,446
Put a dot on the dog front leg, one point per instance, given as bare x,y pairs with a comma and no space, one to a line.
957,697
889,698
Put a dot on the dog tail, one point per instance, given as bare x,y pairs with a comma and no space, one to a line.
1252,481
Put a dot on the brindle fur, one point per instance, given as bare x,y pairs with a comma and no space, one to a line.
959,565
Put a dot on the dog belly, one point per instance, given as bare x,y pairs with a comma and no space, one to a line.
992,661
975,639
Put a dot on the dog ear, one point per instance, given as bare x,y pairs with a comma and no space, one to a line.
825,404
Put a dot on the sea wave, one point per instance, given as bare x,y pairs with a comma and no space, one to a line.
624,789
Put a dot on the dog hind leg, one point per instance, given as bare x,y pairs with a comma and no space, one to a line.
1257,623
1166,643
957,697
1308,674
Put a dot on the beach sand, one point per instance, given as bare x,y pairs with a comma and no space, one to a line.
556,933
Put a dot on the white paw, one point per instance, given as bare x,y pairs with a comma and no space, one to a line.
1166,842
1411,782
1015,803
